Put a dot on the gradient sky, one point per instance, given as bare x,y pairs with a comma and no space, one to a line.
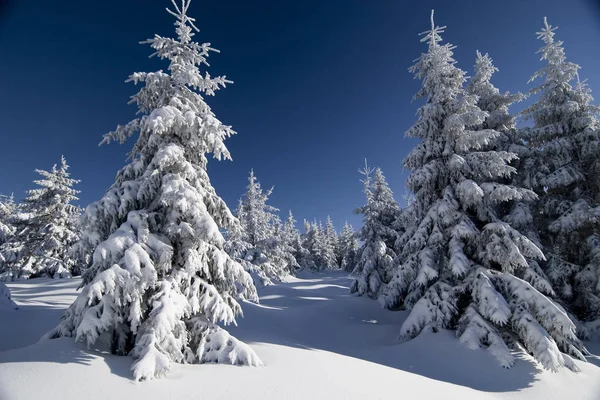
319,84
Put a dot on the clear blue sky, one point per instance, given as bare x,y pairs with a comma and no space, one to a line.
319,84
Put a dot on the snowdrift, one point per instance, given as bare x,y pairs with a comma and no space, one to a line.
316,341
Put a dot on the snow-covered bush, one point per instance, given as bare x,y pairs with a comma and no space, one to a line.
5,299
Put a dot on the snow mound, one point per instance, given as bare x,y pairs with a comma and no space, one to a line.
5,298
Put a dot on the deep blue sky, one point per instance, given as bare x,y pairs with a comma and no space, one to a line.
319,84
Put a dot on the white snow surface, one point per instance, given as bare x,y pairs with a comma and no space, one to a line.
5,298
316,340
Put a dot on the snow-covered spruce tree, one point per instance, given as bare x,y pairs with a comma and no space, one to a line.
495,103
309,239
325,256
293,239
291,235
518,214
333,242
375,258
45,230
261,229
235,245
314,242
348,248
463,267
8,210
13,222
560,163
159,279
256,216
282,252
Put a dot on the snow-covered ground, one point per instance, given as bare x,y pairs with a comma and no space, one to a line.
316,340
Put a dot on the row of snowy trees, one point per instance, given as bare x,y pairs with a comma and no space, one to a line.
500,240
36,235
272,250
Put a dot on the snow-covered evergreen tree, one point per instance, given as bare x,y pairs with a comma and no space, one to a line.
294,240
489,99
332,245
560,163
348,248
290,233
256,216
281,252
462,267
269,252
45,230
159,280
309,240
518,214
321,250
8,210
375,258
495,103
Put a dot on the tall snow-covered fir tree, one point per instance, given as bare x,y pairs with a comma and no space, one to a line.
309,240
45,230
8,215
314,241
159,279
495,103
321,248
268,251
518,214
375,258
294,240
561,164
256,216
348,247
462,267
332,245
281,252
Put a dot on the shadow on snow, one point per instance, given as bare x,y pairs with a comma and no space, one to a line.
314,312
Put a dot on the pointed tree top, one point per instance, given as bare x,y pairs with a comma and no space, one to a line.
366,171
582,85
483,57
547,33
63,163
433,35
184,24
